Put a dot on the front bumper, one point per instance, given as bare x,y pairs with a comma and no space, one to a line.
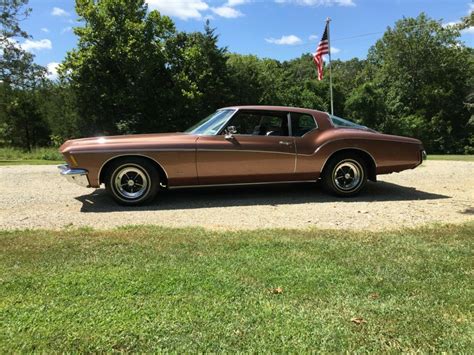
423,155
77,176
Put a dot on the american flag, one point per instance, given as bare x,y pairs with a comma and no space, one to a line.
323,48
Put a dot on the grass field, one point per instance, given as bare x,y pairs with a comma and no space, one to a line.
38,156
451,157
31,162
150,289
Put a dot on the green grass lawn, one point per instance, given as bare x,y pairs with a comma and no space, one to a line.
31,162
451,157
150,289
38,156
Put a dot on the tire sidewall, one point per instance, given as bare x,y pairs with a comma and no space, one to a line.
145,167
328,179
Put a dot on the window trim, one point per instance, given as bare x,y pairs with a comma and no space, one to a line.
252,135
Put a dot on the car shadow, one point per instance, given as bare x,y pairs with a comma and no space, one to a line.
255,195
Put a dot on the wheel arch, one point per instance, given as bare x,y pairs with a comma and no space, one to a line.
161,171
366,156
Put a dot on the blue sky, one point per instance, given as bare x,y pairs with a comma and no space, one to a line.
280,29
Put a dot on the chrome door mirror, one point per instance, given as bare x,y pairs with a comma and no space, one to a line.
229,132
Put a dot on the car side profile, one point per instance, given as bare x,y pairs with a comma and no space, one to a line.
241,145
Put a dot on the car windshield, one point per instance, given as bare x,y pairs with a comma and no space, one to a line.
212,124
343,123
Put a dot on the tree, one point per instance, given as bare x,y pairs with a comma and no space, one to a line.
119,72
254,80
17,68
25,126
423,73
19,77
200,75
58,106
365,104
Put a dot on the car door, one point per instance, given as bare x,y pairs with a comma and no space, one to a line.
304,129
260,150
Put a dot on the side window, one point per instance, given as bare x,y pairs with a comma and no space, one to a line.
244,122
260,123
302,123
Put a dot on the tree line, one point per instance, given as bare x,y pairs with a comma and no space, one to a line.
133,72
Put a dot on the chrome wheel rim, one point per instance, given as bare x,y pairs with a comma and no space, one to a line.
347,175
131,182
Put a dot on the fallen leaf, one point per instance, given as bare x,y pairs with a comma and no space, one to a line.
374,296
277,290
358,320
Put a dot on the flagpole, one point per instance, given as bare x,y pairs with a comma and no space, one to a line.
328,20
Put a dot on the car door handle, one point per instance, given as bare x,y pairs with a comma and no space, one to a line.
284,143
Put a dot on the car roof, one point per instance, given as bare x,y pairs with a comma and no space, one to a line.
274,108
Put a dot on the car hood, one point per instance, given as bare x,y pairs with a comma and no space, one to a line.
133,141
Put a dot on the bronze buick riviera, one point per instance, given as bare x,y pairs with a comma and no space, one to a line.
241,145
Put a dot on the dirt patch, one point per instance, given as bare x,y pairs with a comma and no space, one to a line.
437,191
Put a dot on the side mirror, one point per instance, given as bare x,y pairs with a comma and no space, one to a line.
229,132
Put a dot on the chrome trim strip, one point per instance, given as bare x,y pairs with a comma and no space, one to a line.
134,150
290,128
127,155
256,135
240,184
296,155
77,176
244,151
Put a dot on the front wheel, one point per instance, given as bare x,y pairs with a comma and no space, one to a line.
132,181
345,175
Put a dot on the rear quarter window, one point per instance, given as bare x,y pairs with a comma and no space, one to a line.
343,123
302,123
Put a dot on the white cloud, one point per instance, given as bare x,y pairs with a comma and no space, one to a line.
57,11
30,45
335,50
469,30
449,24
232,3
52,70
196,9
45,30
227,12
183,9
319,2
471,8
313,37
285,40
345,3
66,29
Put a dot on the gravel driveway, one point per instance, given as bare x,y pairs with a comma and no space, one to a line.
438,191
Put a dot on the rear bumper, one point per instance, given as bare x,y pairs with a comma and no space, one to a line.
76,176
423,155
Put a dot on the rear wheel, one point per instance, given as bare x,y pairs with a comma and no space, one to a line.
132,181
345,175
